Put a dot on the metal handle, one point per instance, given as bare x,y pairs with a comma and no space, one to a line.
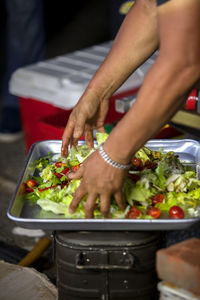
104,260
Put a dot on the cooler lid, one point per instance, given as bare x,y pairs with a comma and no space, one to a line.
105,238
62,80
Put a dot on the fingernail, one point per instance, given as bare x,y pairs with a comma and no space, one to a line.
77,134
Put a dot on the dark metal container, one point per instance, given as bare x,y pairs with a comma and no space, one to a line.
106,265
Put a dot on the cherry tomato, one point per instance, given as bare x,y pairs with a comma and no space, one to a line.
75,168
137,163
176,212
31,183
59,164
134,177
133,213
154,212
157,199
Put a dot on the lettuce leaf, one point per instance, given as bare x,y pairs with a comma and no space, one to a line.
136,192
101,137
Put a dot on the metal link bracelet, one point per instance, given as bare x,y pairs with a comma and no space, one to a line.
111,162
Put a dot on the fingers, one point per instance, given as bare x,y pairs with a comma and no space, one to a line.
79,194
101,129
91,202
67,136
89,136
76,175
120,200
73,131
90,205
105,205
79,126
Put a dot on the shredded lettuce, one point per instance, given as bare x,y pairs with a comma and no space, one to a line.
177,183
101,137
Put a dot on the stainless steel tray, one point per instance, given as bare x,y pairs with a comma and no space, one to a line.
32,216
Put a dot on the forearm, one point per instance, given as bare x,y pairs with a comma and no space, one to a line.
155,105
172,76
136,40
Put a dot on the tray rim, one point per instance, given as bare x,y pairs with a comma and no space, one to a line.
73,224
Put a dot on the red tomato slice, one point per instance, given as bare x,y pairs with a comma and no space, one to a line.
157,199
133,213
66,171
59,175
176,212
154,212
59,164
49,187
31,183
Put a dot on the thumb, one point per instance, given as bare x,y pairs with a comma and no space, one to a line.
76,175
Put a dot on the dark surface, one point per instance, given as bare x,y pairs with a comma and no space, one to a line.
106,265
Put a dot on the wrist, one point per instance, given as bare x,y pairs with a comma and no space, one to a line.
111,162
116,153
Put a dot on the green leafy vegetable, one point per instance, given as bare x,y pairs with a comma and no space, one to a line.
162,182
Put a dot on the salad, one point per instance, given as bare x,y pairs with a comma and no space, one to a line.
157,185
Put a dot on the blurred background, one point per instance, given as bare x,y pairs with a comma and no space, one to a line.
69,26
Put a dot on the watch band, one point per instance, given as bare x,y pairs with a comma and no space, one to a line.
111,162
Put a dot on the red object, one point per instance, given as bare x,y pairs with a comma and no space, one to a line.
176,212
133,213
44,121
157,199
137,163
47,188
75,168
154,212
58,175
66,171
59,164
34,129
150,165
134,177
29,190
167,133
31,183
191,102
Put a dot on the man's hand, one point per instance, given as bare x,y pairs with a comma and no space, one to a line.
88,114
99,179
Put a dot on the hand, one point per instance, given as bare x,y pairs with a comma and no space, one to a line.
99,179
89,113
